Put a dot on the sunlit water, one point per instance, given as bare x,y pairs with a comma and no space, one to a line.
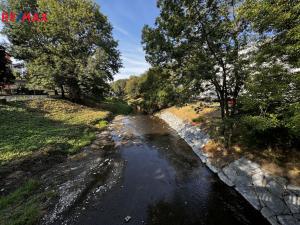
164,183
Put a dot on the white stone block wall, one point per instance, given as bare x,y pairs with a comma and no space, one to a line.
278,201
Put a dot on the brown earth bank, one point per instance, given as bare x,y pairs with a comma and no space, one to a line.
279,162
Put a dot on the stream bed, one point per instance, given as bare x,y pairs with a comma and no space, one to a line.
162,183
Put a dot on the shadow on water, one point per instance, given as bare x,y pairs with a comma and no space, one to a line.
164,183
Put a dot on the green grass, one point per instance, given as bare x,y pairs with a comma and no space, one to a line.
199,119
102,124
23,206
26,127
40,128
116,106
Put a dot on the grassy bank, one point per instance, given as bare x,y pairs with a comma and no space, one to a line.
23,206
116,106
40,125
34,136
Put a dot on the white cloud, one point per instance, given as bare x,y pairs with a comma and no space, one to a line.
121,30
141,62
133,64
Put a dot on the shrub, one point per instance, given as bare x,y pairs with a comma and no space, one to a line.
199,119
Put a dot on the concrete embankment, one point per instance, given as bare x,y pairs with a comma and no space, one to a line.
273,196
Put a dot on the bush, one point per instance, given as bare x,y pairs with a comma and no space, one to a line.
260,123
199,119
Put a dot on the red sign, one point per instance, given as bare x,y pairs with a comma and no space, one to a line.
22,17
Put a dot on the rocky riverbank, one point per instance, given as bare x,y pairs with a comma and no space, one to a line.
86,175
273,196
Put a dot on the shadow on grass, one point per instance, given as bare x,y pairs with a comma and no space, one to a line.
31,143
22,206
34,137
23,132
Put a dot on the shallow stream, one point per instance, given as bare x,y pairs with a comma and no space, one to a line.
163,183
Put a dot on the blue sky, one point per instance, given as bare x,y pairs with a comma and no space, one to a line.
128,18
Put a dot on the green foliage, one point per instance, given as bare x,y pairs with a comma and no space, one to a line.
116,106
118,87
248,47
199,119
278,24
74,50
57,125
200,43
102,124
156,91
132,87
269,88
23,206
292,119
151,91
270,106
260,123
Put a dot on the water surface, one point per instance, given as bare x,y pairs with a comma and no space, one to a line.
164,183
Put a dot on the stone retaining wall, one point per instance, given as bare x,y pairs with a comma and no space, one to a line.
278,201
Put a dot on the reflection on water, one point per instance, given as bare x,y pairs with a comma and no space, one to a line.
164,183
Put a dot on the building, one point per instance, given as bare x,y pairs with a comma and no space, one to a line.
19,68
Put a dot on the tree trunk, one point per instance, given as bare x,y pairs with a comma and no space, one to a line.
222,109
226,105
62,91
74,90
222,105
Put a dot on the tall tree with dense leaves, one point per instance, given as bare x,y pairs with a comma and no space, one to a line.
201,41
132,87
270,105
118,87
155,91
278,25
74,49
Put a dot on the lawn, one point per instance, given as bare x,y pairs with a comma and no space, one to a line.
23,206
39,125
36,129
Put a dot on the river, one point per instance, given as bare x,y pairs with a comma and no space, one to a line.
163,183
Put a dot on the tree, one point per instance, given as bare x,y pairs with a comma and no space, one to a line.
155,91
201,41
118,87
278,25
132,88
149,91
270,105
6,75
74,49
